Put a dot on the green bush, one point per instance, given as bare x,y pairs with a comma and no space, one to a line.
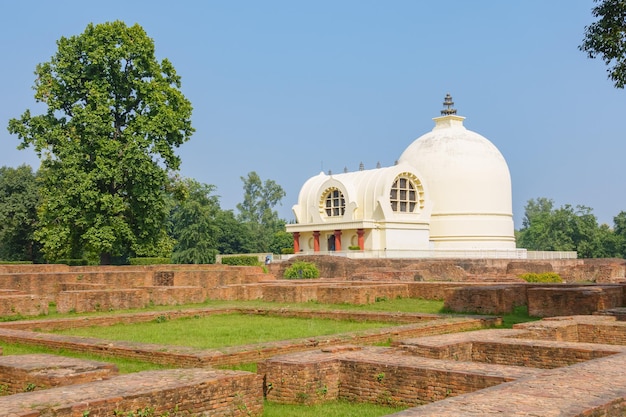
354,247
287,251
543,277
150,261
242,260
73,262
15,263
301,269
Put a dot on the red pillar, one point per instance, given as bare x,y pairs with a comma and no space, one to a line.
296,242
337,240
360,233
316,241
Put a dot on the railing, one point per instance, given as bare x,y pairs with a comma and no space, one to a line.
428,254
552,255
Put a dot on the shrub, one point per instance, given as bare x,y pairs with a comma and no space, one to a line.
543,278
15,263
241,260
73,262
301,269
287,251
354,247
150,261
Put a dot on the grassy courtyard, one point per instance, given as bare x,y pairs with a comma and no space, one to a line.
233,329
221,330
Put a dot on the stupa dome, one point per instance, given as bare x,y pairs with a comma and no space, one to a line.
469,183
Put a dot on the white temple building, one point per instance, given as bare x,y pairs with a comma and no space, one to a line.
449,194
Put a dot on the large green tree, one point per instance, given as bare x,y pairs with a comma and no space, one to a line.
606,38
115,115
194,225
257,211
19,197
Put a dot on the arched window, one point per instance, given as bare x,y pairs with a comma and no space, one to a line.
333,203
407,194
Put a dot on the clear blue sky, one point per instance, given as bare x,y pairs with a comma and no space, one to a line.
290,88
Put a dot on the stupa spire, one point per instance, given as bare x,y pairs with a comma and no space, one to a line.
448,103
448,116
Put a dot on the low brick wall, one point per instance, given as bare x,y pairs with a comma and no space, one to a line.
360,294
291,380
535,354
375,375
80,286
488,299
237,292
289,293
590,389
585,329
567,301
436,290
321,291
25,373
48,280
88,301
176,392
175,295
509,347
22,304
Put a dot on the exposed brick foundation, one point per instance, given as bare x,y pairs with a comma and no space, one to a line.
177,392
85,301
556,301
189,357
22,373
547,377
22,304
492,299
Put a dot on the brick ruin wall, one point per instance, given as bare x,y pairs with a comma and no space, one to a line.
489,299
27,373
175,392
380,375
542,300
374,375
559,301
461,270
402,376
16,304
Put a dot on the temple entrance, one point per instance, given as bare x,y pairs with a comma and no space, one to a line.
331,243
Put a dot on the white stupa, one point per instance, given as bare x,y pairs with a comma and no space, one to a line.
449,192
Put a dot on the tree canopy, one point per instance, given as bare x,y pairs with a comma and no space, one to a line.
114,116
606,38
19,197
194,225
257,212
567,228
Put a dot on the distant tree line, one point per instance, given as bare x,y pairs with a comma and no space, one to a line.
107,188
196,227
568,228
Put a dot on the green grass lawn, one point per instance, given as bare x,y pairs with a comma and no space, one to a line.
331,409
125,366
221,330
236,329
